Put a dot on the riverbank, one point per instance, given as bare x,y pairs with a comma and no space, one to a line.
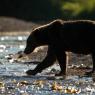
14,27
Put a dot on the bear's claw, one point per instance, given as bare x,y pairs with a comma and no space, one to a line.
60,74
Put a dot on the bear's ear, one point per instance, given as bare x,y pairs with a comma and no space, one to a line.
33,28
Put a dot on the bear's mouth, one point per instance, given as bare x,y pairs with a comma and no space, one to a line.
28,50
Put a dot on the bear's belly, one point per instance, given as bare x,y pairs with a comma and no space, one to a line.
80,50
79,46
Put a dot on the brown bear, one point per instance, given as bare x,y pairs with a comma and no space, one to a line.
61,37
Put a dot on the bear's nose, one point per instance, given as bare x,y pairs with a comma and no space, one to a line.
27,51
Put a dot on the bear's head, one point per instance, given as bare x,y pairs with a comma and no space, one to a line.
38,37
42,35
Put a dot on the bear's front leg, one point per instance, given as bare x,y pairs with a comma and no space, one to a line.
48,61
93,70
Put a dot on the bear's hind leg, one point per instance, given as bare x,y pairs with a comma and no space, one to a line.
93,58
93,69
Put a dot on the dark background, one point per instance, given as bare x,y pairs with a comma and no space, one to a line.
37,10
22,14
30,10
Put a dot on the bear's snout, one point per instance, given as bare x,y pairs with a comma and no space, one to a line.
27,51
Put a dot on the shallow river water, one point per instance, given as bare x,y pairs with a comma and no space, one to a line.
14,81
